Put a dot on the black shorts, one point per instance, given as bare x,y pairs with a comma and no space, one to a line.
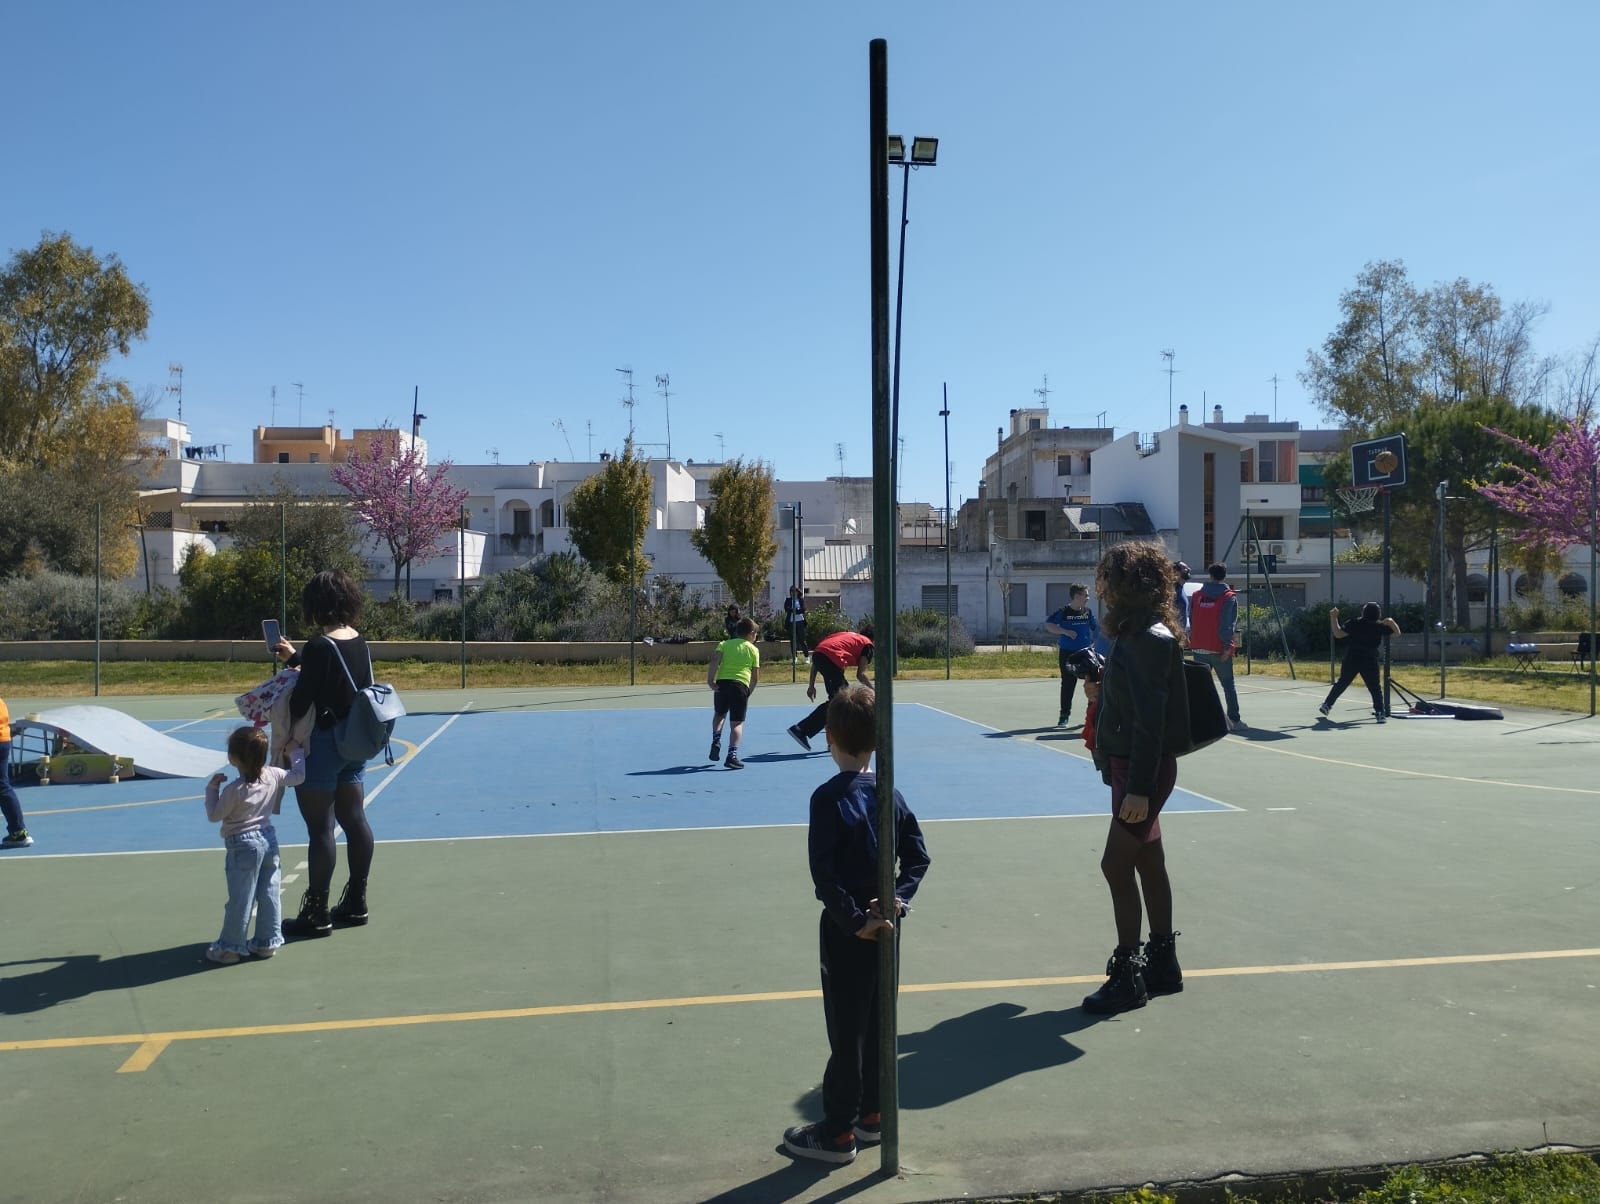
732,699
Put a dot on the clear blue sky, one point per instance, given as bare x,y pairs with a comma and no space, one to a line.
504,202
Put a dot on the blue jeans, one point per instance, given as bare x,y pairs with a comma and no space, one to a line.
1224,667
8,796
255,875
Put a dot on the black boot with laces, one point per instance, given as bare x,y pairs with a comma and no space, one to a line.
313,918
1162,974
1124,987
351,910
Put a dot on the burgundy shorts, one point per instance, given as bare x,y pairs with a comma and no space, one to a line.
1148,829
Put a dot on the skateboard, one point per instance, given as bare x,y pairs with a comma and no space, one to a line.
77,768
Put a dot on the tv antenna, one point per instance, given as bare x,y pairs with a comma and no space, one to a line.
1168,355
838,450
628,400
662,381
493,452
175,369
722,451
1043,392
300,405
562,427
274,405
1274,397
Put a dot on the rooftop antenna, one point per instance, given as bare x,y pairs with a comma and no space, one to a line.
562,427
838,450
590,425
493,451
628,400
662,381
1274,397
300,405
1043,392
1169,370
274,405
176,371
330,417
722,449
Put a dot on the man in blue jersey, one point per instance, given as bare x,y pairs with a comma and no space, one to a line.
1075,625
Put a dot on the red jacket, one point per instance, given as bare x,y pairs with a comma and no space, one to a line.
845,648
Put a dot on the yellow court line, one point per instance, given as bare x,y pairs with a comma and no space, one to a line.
154,802
1411,773
150,1045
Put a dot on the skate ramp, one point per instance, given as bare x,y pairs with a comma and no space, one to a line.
103,730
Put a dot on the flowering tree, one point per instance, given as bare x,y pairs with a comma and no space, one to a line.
403,503
1552,500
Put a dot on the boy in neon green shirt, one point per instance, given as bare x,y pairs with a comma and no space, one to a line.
732,674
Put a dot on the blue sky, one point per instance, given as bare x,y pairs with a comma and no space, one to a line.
502,203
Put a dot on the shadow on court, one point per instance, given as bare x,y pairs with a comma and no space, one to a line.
977,1050
78,975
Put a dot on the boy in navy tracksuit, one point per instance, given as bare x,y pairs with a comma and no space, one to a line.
843,845
1075,624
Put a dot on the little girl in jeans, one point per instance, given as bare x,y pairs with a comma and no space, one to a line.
244,808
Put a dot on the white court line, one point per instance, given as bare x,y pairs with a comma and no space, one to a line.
400,768
1065,753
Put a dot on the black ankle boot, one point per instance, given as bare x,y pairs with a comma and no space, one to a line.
1162,974
351,909
1124,987
313,918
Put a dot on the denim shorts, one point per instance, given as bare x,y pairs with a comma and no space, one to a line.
325,768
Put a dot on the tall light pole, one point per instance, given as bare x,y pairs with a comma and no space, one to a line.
945,414
416,429
924,153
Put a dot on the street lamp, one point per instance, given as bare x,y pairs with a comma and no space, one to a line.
924,153
945,414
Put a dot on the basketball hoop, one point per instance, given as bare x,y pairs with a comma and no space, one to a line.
1359,500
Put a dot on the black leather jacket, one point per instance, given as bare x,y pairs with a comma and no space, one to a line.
1144,706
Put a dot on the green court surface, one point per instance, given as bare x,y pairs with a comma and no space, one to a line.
1391,939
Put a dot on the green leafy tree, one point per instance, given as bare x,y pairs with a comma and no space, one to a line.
737,539
607,515
319,532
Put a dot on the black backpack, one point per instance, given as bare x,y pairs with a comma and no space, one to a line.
1208,722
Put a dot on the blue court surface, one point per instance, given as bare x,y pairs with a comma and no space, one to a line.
521,773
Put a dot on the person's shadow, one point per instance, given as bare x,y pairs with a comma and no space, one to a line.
677,770
77,975
966,1054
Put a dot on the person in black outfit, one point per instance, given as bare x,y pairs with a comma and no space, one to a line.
730,621
1365,636
843,845
334,791
794,609
1141,727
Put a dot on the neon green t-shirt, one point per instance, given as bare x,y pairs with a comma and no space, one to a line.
738,658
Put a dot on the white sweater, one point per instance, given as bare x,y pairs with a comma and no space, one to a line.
243,806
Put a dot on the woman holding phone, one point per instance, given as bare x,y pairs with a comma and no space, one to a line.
334,791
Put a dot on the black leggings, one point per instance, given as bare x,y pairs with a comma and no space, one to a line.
1367,666
321,809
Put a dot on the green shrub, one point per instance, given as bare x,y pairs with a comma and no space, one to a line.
921,633
60,606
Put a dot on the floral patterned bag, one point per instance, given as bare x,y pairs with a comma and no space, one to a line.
256,704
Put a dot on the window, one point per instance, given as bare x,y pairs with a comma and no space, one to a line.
1064,466
1267,526
283,457
1313,495
1017,601
315,458
1247,467
1034,424
1267,461
1033,525
933,598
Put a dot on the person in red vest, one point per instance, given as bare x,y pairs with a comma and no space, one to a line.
830,657
1213,613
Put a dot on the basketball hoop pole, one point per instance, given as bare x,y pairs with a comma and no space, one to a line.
1386,683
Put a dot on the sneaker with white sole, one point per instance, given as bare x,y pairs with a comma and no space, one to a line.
800,737
16,840
1324,709
869,1129
809,1141
264,951
223,957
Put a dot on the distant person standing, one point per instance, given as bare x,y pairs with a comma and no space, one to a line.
730,621
16,827
830,658
1213,616
1365,639
734,670
1077,628
1180,596
794,609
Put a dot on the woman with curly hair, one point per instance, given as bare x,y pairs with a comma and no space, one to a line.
1141,724
334,665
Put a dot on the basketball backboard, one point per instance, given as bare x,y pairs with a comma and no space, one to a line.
1371,463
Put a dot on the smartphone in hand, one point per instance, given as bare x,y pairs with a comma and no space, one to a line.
270,633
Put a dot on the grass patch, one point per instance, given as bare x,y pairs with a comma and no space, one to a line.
1555,1178
75,679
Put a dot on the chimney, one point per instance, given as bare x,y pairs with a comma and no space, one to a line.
1183,415
1216,414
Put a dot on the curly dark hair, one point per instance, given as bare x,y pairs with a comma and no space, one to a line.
331,599
1138,585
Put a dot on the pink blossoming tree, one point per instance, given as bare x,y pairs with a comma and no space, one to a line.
1551,500
405,505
